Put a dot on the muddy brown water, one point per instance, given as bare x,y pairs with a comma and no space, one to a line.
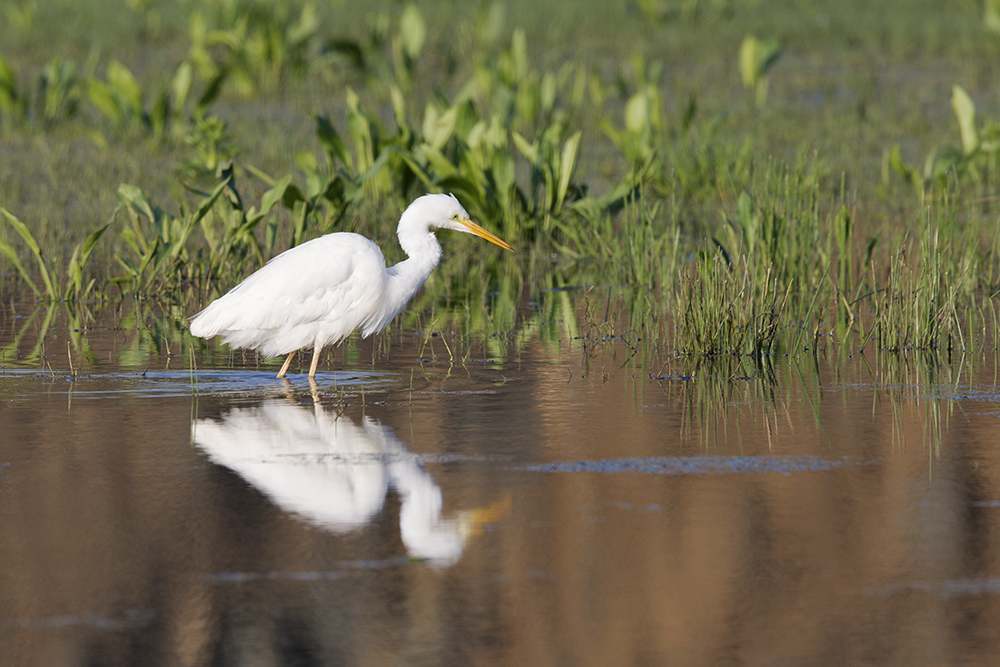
557,506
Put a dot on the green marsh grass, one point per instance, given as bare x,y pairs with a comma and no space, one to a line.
731,229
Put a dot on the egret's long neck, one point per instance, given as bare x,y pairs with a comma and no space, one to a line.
423,254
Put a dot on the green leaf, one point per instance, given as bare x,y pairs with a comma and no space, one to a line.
491,22
88,244
755,59
8,251
399,109
438,128
965,110
332,143
146,259
415,168
529,151
412,31
567,165
306,26
29,239
7,78
315,184
274,195
209,201
547,92
180,85
292,196
907,173
689,112
746,218
212,89
305,161
101,97
334,192
504,176
159,114
81,254
136,200
8,88
121,79
991,15
22,230
519,54
636,113
440,166
748,61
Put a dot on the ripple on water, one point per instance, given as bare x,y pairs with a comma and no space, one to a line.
25,384
696,465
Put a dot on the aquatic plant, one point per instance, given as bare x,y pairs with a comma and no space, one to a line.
256,43
77,287
756,57
13,103
976,159
624,172
166,254
121,99
60,89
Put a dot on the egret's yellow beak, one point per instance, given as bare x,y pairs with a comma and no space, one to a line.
471,522
473,228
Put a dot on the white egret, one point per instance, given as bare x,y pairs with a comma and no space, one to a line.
320,292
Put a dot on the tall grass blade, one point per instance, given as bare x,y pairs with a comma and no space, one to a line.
8,251
81,254
32,244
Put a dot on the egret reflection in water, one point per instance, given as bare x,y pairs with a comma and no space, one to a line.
335,473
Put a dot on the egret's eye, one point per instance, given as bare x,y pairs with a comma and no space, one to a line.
455,216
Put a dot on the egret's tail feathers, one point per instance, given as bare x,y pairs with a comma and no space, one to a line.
221,316
208,323
199,326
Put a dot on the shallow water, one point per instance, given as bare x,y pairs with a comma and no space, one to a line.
558,504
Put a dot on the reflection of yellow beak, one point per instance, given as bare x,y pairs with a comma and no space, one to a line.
471,523
473,228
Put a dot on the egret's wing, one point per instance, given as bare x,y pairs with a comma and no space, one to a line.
322,289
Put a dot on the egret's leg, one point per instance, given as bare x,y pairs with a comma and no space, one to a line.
288,362
315,361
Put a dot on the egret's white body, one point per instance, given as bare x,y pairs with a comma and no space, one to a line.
320,292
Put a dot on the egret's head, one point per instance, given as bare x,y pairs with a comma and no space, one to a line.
445,212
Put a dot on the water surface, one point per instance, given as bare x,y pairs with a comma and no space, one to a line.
553,504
